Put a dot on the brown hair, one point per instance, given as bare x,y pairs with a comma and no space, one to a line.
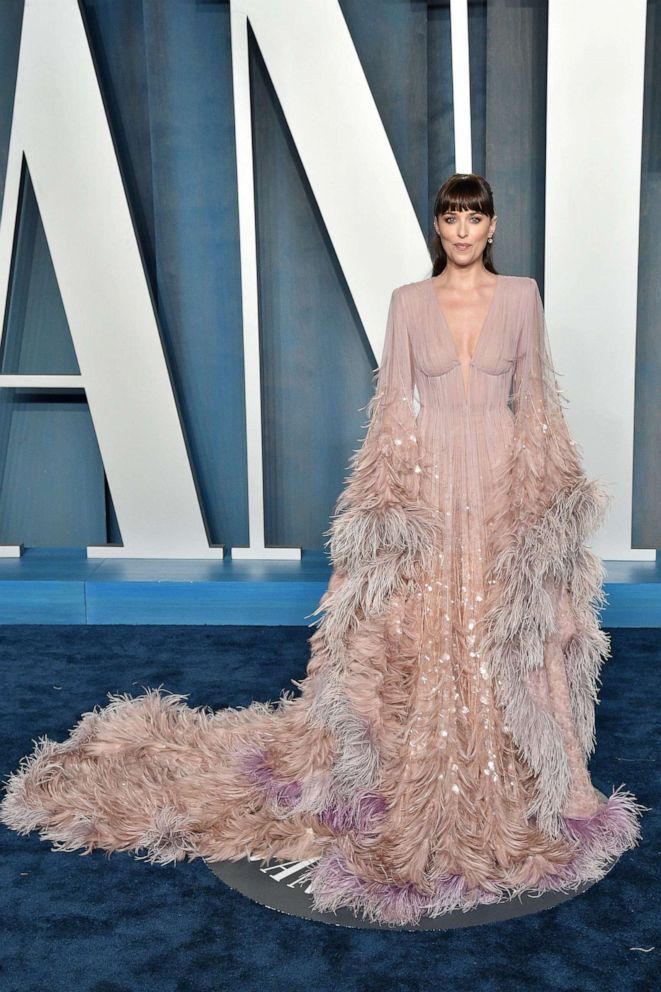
462,191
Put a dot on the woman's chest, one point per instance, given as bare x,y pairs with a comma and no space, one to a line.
433,347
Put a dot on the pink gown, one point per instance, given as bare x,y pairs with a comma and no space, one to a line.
436,755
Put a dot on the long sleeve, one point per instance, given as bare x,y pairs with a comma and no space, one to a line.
544,513
379,525
548,459
383,538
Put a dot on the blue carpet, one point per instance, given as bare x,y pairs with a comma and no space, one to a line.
100,923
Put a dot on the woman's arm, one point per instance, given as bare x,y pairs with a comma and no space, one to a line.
378,518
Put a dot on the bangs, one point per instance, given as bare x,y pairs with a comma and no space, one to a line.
461,192
464,194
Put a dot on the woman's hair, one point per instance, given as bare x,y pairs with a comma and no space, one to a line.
462,191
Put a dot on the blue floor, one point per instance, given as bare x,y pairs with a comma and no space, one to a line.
64,586
71,923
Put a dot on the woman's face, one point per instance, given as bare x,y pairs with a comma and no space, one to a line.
464,234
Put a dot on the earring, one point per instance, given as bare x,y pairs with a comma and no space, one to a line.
490,240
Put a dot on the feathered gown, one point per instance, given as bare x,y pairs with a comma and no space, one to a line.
435,757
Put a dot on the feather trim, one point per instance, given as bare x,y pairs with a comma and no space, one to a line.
397,535
383,539
522,617
362,595
363,810
598,841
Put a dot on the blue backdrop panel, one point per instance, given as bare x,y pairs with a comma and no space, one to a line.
646,528
53,483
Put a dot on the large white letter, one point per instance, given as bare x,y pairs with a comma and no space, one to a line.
596,60
351,169
60,126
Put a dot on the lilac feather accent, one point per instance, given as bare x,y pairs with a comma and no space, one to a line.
334,885
599,839
285,794
361,812
366,809
604,836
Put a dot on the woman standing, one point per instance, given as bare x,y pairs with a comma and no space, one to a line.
436,757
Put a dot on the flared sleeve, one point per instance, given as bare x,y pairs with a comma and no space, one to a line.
381,530
383,538
548,459
544,513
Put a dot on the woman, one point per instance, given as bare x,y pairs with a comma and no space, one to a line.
436,756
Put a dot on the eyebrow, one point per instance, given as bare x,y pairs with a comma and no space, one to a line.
456,211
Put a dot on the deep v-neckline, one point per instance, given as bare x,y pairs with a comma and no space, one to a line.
453,344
